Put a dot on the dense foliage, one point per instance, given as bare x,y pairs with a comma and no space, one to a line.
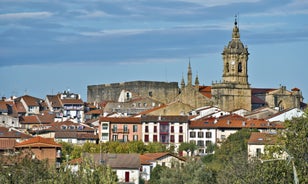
24,169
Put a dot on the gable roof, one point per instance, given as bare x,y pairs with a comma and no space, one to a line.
150,157
118,161
11,133
31,101
54,100
258,138
38,142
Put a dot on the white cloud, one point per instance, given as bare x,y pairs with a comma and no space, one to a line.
117,32
25,15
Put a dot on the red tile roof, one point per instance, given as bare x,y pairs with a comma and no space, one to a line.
258,138
20,107
11,133
38,142
203,123
7,144
54,100
31,101
72,101
120,119
206,91
96,111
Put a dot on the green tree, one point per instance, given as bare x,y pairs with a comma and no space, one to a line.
193,172
188,147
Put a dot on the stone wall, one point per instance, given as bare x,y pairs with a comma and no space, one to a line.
161,91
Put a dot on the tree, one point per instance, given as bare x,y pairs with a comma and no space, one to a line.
188,147
193,172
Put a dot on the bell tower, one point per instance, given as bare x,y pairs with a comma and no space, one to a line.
234,91
235,57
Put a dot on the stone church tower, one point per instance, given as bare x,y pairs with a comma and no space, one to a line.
234,91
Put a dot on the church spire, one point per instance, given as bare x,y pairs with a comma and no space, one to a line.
197,82
189,75
182,83
236,31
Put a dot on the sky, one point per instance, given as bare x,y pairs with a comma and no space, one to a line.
47,47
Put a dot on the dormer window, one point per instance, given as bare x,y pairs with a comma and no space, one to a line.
63,127
71,127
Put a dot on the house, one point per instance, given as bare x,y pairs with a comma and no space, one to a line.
202,132
67,106
150,160
13,134
230,124
164,129
258,143
286,114
32,105
7,146
126,166
120,129
42,148
68,131
37,121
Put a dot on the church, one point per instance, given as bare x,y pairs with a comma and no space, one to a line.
232,93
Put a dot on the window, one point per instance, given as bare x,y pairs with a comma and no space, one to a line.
200,143
114,137
207,143
164,139
125,138
240,67
146,138
180,138
125,128
150,93
105,136
258,152
146,129
172,129
154,138
105,126
181,129
164,128
192,134
172,138
208,134
135,128
135,137
114,128
155,128
200,135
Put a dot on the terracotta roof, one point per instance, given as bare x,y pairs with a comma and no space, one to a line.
3,106
180,119
234,121
54,100
20,107
203,123
96,111
72,101
295,89
11,133
206,91
7,144
31,101
157,156
120,119
33,119
68,126
38,142
258,138
88,136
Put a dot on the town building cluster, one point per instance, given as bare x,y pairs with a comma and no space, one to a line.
151,112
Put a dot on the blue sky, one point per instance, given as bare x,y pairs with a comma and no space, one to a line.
50,46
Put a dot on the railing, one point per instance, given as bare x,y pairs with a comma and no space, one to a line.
119,131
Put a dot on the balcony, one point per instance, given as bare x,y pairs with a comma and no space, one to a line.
120,131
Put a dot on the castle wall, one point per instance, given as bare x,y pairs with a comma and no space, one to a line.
161,91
